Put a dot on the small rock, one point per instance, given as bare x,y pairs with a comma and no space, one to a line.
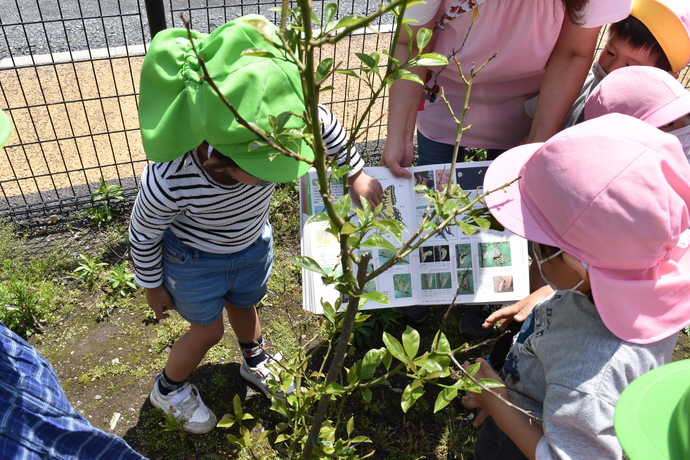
53,219
115,360
97,397
113,421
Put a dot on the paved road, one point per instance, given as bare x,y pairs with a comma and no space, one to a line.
74,25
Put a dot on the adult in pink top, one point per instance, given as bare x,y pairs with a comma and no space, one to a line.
539,49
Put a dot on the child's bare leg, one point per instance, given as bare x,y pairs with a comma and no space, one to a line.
191,348
245,323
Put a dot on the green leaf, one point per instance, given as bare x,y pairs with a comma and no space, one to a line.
328,311
237,406
340,172
473,369
411,342
282,120
450,206
318,217
349,20
343,205
430,59
367,394
370,362
404,74
258,53
483,223
429,365
411,394
468,229
379,297
323,69
393,227
326,88
441,343
308,263
423,37
444,398
348,228
227,421
334,388
387,360
367,60
377,241
350,73
394,347
329,12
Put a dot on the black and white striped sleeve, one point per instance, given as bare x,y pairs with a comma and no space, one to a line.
154,210
335,140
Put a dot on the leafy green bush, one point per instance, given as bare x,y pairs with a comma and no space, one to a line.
24,305
103,198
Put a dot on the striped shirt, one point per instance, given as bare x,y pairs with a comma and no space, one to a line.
203,213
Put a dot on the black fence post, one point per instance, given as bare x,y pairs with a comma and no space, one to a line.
156,16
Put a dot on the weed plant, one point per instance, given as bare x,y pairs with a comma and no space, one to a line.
104,198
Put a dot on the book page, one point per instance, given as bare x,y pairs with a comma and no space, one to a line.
485,267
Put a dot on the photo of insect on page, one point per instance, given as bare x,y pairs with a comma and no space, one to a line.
485,267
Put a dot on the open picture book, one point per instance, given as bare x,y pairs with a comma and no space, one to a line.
485,267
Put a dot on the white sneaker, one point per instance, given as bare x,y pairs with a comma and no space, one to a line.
185,405
260,374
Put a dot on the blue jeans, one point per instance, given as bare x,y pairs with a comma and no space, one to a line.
200,282
432,153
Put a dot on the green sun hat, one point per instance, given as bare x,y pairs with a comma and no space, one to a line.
652,417
178,110
5,127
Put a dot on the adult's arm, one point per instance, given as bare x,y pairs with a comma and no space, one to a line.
564,76
403,104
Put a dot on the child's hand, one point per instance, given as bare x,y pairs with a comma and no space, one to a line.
519,310
485,401
160,301
362,184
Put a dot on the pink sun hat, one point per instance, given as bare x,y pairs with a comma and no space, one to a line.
613,192
646,93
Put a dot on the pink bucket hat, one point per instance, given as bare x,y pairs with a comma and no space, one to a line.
646,93
613,192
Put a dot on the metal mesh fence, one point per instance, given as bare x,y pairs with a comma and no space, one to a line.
69,81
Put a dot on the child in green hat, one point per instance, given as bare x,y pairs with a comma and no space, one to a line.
652,418
200,237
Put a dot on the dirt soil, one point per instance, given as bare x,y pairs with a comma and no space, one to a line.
107,359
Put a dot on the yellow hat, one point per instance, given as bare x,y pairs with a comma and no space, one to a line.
669,22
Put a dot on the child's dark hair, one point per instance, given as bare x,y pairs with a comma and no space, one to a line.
636,34
545,250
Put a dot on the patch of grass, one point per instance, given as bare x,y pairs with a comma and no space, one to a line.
284,214
11,245
168,331
458,435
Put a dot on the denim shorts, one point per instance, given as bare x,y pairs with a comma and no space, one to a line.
200,281
430,152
